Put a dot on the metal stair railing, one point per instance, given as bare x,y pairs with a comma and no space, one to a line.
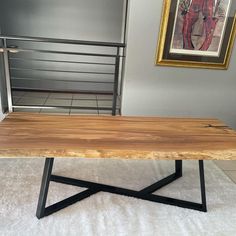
9,50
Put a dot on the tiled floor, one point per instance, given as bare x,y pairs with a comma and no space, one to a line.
97,102
229,168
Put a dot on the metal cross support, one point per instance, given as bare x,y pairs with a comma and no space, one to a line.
92,188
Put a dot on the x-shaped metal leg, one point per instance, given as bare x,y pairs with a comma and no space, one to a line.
92,188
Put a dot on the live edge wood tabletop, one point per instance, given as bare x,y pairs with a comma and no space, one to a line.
39,135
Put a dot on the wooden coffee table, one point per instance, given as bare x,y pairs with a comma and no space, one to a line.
53,136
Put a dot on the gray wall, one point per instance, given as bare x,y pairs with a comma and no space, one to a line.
168,91
99,20
76,19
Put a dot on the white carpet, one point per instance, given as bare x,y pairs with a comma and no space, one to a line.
110,214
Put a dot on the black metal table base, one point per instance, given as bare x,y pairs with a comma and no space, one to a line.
92,188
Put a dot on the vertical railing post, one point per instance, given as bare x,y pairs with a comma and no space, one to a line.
116,81
7,74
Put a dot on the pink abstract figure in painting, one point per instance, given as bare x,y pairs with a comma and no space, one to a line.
191,16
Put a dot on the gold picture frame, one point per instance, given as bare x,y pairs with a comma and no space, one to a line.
168,22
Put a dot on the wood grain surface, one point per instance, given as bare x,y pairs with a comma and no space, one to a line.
39,135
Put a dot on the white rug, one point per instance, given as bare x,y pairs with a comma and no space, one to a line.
110,214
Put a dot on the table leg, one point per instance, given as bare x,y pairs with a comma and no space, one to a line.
93,188
178,168
202,184
44,187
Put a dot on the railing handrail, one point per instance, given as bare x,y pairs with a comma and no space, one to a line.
63,41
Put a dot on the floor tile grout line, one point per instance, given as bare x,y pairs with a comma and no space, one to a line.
24,94
18,98
222,168
87,100
224,172
45,102
227,170
75,99
71,104
230,177
98,113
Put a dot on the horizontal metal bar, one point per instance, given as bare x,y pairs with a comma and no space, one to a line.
61,91
61,107
62,71
59,99
59,61
63,80
63,41
84,184
64,52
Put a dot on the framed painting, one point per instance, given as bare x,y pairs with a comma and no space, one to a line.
197,33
